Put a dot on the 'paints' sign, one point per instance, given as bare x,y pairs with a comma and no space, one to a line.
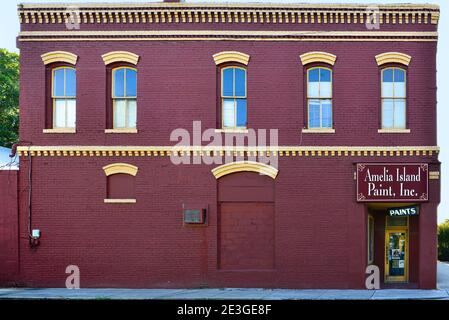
392,182
404,211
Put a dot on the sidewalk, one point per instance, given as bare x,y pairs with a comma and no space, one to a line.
218,294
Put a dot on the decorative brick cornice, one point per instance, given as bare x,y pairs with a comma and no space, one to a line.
162,13
288,151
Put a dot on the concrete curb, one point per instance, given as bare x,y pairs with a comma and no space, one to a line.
219,294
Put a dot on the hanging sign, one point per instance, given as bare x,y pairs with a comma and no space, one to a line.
404,211
383,182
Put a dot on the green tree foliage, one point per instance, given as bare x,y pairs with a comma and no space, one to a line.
443,241
9,98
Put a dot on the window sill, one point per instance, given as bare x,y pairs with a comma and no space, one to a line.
318,130
60,130
393,130
119,200
231,130
120,131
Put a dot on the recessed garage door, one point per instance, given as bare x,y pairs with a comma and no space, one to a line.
246,222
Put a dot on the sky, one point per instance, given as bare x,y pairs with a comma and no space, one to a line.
9,28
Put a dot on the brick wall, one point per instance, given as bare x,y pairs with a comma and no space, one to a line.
9,227
319,230
177,85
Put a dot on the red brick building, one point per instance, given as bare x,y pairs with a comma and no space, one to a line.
353,178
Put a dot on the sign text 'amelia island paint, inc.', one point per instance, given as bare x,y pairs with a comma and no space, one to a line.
384,182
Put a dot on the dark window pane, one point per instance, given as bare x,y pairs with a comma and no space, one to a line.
131,83
119,84
399,75
70,85
314,75
228,82
387,75
58,82
241,113
325,75
240,82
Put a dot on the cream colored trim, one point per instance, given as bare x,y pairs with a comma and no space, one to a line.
434,175
228,13
216,5
216,35
324,130
393,57
59,56
232,38
240,166
120,131
231,56
138,151
60,130
120,168
120,56
236,130
117,201
393,131
317,56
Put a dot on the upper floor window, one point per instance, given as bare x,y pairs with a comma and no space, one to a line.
233,97
64,97
124,97
393,98
319,98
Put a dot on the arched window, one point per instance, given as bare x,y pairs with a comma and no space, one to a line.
319,98
233,97
64,97
393,98
124,97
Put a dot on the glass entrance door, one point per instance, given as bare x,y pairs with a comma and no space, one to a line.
396,256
